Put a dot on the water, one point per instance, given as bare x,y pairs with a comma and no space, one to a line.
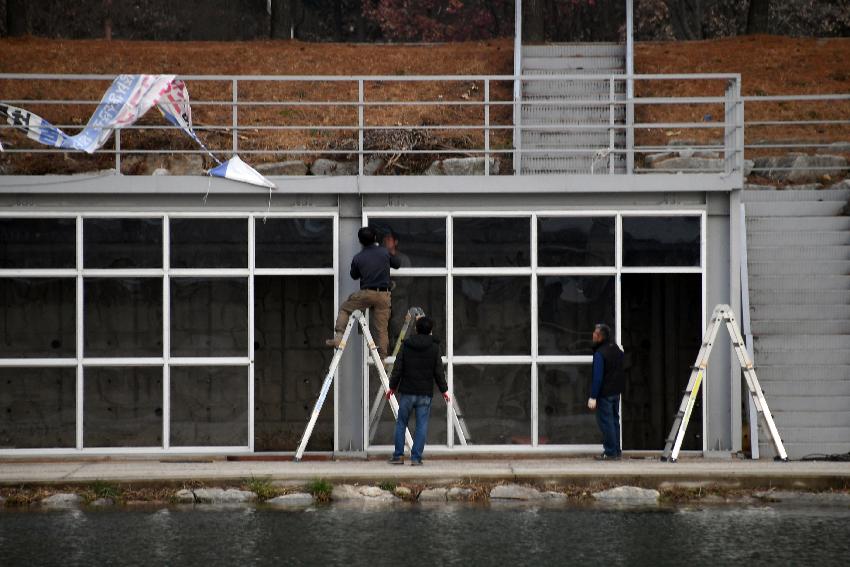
419,535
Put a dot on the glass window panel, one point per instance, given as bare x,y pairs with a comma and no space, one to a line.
122,243
575,241
209,406
294,243
209,243
485,242
562,405
123,407
661,241
37,408
421,241
427,293
383,432
123,316
209,317
38,317
37,243
492,315
293,315
495,401
569,307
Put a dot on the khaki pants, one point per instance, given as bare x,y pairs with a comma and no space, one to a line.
379,302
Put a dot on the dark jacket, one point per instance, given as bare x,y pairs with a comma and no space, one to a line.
372,267
417,366
608,376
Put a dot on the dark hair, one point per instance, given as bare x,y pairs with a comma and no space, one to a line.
424,325
391,233
604,330
367,236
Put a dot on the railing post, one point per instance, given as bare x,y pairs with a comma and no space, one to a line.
118,151
517,132
611,132
733,129
360,100
630,88
235,118
486,126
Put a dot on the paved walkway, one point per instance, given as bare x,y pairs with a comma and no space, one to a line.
564,470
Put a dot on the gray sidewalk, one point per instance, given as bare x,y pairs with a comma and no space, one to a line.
436,471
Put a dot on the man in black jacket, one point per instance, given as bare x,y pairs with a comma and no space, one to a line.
605,390
417,367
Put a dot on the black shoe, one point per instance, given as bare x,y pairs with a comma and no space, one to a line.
396,461
415,463
606,457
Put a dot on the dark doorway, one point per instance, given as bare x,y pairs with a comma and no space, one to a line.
662,327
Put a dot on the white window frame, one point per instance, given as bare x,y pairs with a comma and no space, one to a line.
534,359
165,361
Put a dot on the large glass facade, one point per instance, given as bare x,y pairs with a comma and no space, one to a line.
515,298
164,332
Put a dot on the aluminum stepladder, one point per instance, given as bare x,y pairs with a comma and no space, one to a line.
721,314
359,317
378,404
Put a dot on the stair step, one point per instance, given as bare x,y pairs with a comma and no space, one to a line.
822,426
596,49
555,88
802,449
804,255
577,114
766,297
792,209
800,326
814,195
792,238
795,357
796,283
802,342
568,63
824,267
796,224
822,373
807,388
799,313
570,138
807,404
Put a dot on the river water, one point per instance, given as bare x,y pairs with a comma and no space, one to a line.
463,534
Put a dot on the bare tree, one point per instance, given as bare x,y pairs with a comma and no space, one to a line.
107,20
18,17
757,16
282,19
534,20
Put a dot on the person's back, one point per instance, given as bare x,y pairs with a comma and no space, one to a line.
419,367
372,267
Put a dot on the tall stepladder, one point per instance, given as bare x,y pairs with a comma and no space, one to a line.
722,314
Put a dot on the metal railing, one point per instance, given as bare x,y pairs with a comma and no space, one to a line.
408,121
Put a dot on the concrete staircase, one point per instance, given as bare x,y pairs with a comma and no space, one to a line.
798,252
549,109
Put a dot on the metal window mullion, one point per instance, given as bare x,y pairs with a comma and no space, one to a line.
360,124
251,231
565,359
492,272
209,361
235,116
581,271
486,127
535,427
703,265
450,347
166,333
335,277
80,297
618,291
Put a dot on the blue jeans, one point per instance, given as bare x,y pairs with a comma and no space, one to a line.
608,420
406,404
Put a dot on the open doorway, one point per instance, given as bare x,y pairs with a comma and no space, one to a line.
661,333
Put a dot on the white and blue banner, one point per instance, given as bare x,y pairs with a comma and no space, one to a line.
128,99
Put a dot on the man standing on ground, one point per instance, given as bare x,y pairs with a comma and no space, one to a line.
605,390
417,367
372,267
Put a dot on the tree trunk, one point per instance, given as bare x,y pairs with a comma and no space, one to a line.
18,18
533,21
107,20
757,16
686,17
281,19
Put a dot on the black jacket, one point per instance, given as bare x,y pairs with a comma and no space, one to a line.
372,267
417,366
613,378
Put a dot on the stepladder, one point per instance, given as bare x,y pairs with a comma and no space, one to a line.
722,314
379,403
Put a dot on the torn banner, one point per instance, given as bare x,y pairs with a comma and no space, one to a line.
127,99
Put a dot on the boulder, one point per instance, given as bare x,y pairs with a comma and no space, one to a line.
296,500
373,166
841,185
433,495
402,492
462,166
800,168
62,500
184,496
223,496
324,166
350,492
698,163
457,493
289,167
102,503
840,146
515,492
805,498
628,495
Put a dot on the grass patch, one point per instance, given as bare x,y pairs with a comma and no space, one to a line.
388,485
104,489
262,487
320,489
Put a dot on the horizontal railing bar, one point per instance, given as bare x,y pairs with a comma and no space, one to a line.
792,98
796,122
758,146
